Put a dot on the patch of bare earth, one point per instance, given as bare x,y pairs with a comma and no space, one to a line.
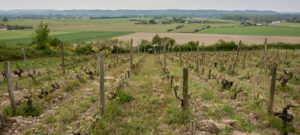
209,39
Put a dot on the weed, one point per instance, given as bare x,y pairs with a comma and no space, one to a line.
100,127
208,95
72,86
92,99
174,115
230,72
123,97
284,88
24,110
228,110
49,119
113,109
295,81
65,115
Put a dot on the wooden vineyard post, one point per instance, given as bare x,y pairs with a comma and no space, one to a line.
165,57
138,48
272,90
209,74
237,56
131,55
266,53
202,54
294,52
244,59
10,86
102,94
197,70
98,58
185,89
62,57
285,56
180,55
24,55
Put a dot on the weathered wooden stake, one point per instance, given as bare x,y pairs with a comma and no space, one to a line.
180,54
202,55
266,54
285,56
131,55
272,90
185,89
138,48
102,94
237,56
10,86
98,58
24,55
62,57
209,74
165,56
197,70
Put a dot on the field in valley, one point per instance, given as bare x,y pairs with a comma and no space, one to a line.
93,29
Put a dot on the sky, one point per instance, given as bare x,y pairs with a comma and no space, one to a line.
275,5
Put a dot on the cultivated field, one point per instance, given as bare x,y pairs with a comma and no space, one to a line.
209,39
93,29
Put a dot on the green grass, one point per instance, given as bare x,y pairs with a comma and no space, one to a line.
24,110
35,63
16,37
256,30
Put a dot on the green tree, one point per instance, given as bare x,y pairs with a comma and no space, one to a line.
41,36
5,19
156,40
152,21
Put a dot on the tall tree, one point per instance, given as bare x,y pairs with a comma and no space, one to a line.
41,36
5,19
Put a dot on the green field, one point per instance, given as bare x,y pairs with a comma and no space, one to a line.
70,37
256,30
73,30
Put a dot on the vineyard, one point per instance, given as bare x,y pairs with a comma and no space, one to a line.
192,92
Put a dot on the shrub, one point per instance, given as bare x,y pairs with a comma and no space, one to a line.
169,30
87,49
180,26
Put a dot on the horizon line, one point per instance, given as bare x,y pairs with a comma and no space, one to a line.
160,9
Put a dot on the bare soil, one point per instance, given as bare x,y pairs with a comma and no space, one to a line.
209,39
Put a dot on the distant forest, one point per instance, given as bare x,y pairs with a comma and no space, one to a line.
239,15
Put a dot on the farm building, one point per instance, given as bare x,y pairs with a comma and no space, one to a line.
3,27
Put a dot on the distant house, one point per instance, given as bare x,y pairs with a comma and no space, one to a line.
3,27
259,24
275,22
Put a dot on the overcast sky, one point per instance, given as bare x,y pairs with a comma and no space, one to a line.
276,5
